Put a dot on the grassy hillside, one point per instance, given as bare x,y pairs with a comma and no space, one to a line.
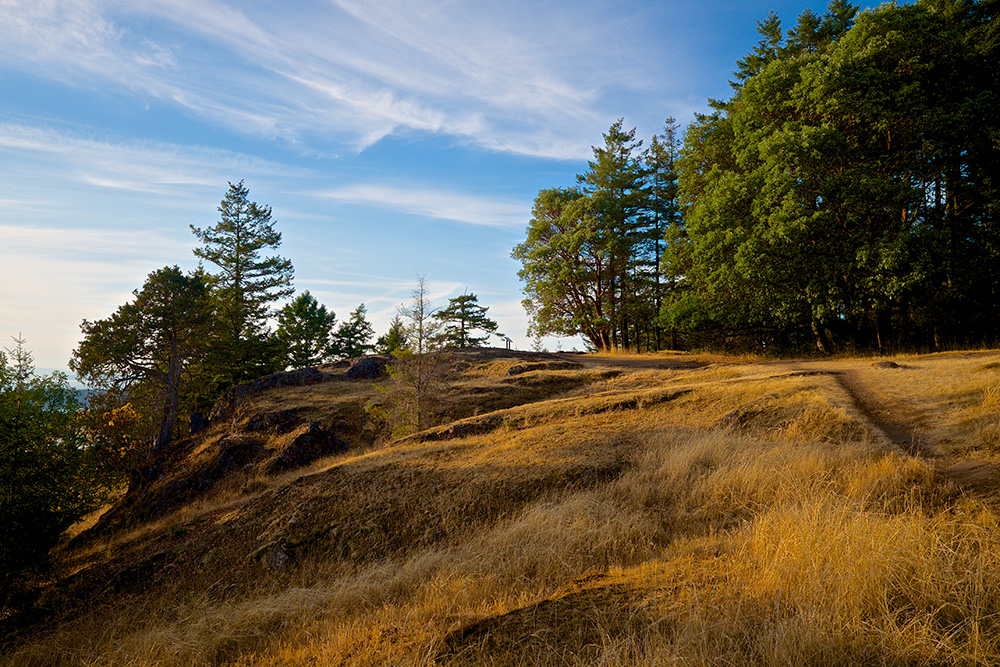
576,510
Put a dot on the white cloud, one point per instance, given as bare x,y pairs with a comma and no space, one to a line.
514,77
431,203
152,168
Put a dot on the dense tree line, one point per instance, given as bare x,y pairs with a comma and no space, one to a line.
845,195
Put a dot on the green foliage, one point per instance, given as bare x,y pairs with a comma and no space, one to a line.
413,398
460,319
144,349
848,189
566,268
394,340
243,289
48,478
305,329
616,184
847,193
664,218
353,338
591,260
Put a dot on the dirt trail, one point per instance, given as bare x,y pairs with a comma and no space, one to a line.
903,432
900,425
897,421
903,425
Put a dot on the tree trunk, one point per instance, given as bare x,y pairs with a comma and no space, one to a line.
819,338
171,399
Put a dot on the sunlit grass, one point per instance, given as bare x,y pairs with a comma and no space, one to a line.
712,516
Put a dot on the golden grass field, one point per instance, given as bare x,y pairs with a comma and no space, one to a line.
619,510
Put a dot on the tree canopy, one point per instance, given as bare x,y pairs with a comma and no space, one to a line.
461,318
48,478
245,285
845,195
144,348
394,339
305,329
353,338
848,189
591,260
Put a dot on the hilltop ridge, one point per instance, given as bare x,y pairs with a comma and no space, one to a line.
571,510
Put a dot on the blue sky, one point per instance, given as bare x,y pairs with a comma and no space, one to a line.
391,138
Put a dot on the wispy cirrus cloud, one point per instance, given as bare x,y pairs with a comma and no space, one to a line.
517,77
433,203
139,166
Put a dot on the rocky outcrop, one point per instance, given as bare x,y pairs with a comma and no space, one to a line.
232,399
310,443
369,368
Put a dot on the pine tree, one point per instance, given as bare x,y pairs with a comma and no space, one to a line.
663,210
616,184
305,329
246,285
461,318
393,340
353,338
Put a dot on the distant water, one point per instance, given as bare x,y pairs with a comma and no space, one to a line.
82,393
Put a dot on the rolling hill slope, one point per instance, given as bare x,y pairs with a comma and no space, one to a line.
571,510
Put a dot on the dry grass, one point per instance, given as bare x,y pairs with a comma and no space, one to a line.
737,514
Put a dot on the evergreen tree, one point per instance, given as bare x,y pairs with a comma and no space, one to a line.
353,338
305,329
48,477
461,318
616,184
145,348
590,257
663,210
393,340
245,286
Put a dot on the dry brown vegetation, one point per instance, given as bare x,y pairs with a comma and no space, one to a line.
576,512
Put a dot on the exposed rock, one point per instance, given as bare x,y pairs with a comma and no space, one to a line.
232,399
309,444
198,422
369,368
279,422
885,364
235,453
273,555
